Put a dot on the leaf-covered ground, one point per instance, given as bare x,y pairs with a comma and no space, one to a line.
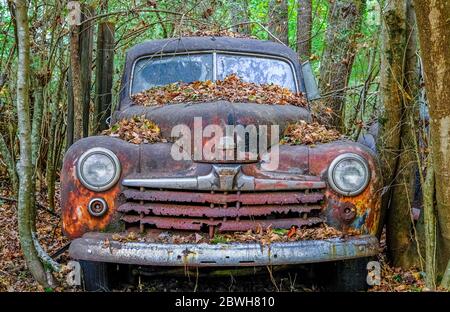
14,275
230,89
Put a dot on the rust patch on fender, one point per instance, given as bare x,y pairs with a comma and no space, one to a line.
75,197
367,205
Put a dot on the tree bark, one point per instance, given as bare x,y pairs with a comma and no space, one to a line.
430,227
104,72
25,167
38,109
278,20
304,25
434,35
76,83
393,29
86,47
400,90
50,172
344,23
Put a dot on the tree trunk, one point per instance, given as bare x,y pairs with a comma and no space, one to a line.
25,167
86,46
434,33
400,88
104,72
344,22
76,82
430,227
278,20
391,84
304,25
38,109
50,172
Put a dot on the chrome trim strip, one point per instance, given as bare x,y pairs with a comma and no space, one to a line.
91,247
214,66
223,178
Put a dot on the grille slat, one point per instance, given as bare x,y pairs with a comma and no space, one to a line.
221,211
200,211
229,225
254,198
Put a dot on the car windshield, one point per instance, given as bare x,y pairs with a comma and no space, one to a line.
254,69
159,71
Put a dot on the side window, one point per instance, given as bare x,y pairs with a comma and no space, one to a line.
159,71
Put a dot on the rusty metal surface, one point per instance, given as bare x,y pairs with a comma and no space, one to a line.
219,225
75,197
306,164
279,198
219,212
367,205
92,247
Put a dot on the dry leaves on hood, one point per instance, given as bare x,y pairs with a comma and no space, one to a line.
230,89
217,33
308,133
136,130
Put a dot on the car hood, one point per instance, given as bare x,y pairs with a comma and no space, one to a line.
221,113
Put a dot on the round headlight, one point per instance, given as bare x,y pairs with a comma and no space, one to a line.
348,174
98,169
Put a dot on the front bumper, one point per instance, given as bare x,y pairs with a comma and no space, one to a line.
97,247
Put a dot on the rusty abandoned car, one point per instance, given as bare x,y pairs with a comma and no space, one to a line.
111,186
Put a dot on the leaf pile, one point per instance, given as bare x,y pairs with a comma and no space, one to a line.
269,235
217,33
260,235
232,89
396,279
136,130
14,275
308,133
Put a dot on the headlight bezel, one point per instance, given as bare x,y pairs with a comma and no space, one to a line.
339,159
109,154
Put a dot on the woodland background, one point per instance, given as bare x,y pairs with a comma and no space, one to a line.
382,67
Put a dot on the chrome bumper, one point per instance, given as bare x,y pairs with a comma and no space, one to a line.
92,247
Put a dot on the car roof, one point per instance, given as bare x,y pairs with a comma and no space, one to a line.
197,44
187,44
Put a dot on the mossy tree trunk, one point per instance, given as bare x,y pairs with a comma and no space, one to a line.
304,26
25,166
434,35
399,83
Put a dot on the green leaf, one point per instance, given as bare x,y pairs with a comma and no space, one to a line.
280,231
